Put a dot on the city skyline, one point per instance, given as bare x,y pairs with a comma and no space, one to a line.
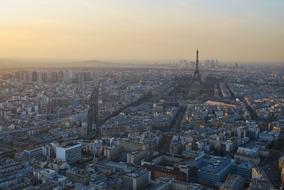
235,30
142,95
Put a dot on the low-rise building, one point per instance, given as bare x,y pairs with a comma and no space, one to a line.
137,180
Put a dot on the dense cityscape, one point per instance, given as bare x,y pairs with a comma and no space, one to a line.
193,125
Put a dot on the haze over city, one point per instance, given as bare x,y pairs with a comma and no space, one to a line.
228,30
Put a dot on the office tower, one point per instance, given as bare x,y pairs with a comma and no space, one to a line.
92,122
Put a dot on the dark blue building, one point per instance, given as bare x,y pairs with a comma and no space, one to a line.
244,170
214,170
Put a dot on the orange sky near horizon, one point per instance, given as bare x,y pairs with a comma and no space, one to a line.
229,30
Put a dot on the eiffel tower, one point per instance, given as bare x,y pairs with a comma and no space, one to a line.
197,75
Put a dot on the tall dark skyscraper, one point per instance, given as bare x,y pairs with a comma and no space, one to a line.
34,76
197,75
93,112
51,107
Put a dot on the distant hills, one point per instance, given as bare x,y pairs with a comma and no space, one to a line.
52,63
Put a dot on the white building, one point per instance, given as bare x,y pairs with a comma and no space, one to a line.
137,180
69,153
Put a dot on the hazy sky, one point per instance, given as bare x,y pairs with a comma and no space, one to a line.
231,30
